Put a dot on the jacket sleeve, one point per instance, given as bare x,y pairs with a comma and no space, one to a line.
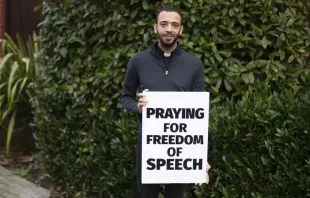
199,79
131,83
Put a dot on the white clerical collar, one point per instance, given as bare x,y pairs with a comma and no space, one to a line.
167,54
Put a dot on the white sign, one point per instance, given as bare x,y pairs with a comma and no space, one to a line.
175,137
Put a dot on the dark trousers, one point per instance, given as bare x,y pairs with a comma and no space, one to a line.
153,190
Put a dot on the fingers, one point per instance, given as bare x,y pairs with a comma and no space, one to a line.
208,167
208,178
142,95
207,181
207,170
142,100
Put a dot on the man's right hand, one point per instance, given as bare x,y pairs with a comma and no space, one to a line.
142,100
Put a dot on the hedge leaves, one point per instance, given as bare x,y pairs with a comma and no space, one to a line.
87,140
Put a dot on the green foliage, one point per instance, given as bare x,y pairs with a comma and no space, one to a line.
87,140
261,146
18,70
243,43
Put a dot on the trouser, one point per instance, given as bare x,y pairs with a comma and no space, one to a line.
153,190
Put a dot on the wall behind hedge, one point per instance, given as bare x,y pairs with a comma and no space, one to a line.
87,140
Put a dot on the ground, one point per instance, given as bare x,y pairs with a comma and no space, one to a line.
26,165
12,186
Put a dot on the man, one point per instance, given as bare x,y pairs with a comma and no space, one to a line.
164,67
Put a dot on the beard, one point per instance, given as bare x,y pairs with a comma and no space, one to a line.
167,42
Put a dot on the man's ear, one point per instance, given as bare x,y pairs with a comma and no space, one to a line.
181,31
155,28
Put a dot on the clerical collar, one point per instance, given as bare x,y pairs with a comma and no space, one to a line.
165,54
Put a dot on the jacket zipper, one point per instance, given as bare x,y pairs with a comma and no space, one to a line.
167,71
162,64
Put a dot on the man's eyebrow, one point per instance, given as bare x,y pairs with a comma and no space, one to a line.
168,22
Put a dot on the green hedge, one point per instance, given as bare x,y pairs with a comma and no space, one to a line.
86,139
261,146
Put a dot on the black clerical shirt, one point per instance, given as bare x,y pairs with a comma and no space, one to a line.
166,57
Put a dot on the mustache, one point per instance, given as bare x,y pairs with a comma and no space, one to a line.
168,34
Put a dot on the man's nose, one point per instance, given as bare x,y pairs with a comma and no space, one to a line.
169,28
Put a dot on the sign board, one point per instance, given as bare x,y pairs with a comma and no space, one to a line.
175,137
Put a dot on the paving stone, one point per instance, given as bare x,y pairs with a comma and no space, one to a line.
12,186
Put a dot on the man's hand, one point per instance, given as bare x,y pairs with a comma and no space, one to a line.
207,170
142,100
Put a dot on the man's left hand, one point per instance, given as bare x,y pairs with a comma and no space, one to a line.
207,170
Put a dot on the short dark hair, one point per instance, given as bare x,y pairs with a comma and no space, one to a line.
168,9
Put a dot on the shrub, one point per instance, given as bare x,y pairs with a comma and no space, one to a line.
261,146
18,70
86,139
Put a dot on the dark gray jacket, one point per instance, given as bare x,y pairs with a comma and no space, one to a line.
146,70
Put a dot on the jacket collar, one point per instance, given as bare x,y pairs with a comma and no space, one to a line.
178,50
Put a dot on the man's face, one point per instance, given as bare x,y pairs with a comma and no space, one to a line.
168,28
